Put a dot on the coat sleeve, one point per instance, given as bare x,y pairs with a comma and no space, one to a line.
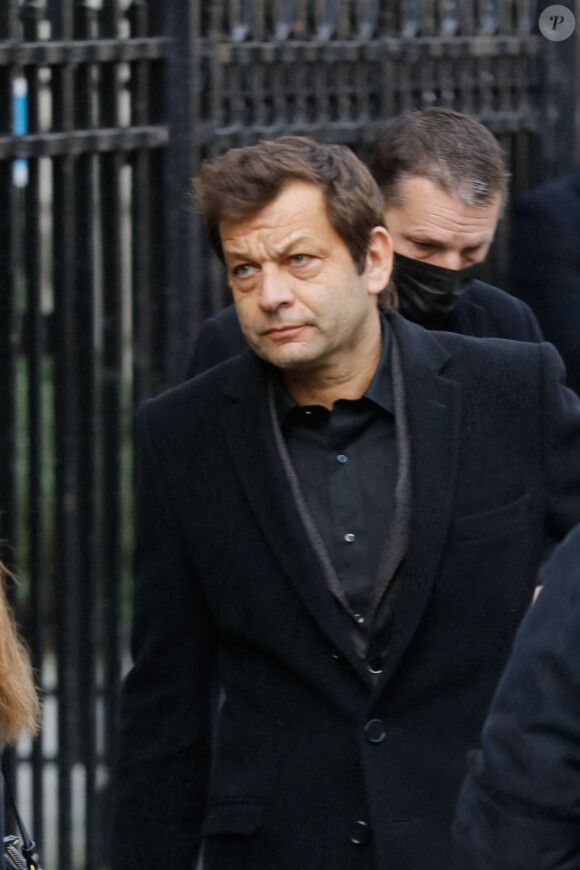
519,808
161,772
560,446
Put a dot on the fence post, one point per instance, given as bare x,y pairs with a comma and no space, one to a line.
182,292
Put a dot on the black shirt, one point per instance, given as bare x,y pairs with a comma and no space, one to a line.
345,461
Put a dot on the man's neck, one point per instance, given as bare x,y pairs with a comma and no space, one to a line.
326,385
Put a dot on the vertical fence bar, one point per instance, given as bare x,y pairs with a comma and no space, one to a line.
66,434
35,350
10,242
9,206
86,210
152,376
183,289
141,215
11,259
9,19
111,398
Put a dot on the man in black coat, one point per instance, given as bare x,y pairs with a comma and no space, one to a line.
545,264
344,525
520,805
441,231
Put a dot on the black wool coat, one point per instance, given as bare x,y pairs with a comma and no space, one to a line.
314,763
520,805
481,310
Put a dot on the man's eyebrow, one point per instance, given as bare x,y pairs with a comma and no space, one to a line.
236,255
299,240
423,239
281,251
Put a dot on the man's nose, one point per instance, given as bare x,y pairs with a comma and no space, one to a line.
275,289
451,260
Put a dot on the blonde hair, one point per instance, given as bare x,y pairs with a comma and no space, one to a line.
19,702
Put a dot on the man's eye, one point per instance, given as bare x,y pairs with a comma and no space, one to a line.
299,259
243,270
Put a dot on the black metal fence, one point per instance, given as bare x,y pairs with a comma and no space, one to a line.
82,188
106,109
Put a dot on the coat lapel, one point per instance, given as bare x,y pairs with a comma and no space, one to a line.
251,440
433,412
397,540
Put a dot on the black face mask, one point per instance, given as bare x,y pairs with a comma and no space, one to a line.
426,291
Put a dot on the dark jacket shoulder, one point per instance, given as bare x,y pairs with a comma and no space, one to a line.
190,408
486,311
220,338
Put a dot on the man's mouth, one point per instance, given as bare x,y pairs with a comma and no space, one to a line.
283,329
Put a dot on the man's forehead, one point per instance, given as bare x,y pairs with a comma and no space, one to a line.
425,206
419,190
297,214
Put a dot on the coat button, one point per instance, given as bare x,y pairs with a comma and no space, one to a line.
375,664
375,731
359,833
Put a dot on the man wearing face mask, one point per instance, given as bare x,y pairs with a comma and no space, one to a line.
444,180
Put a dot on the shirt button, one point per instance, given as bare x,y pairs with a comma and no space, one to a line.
375,731
375,664
359,833
342,458
358,617
349,537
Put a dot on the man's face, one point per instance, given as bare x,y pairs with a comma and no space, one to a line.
438,228
300,302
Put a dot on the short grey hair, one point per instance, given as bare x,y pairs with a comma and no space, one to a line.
448,148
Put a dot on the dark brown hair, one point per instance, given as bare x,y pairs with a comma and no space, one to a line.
244,180
448,148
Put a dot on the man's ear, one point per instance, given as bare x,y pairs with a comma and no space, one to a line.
379,260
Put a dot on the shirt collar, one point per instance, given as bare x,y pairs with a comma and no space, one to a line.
379,391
